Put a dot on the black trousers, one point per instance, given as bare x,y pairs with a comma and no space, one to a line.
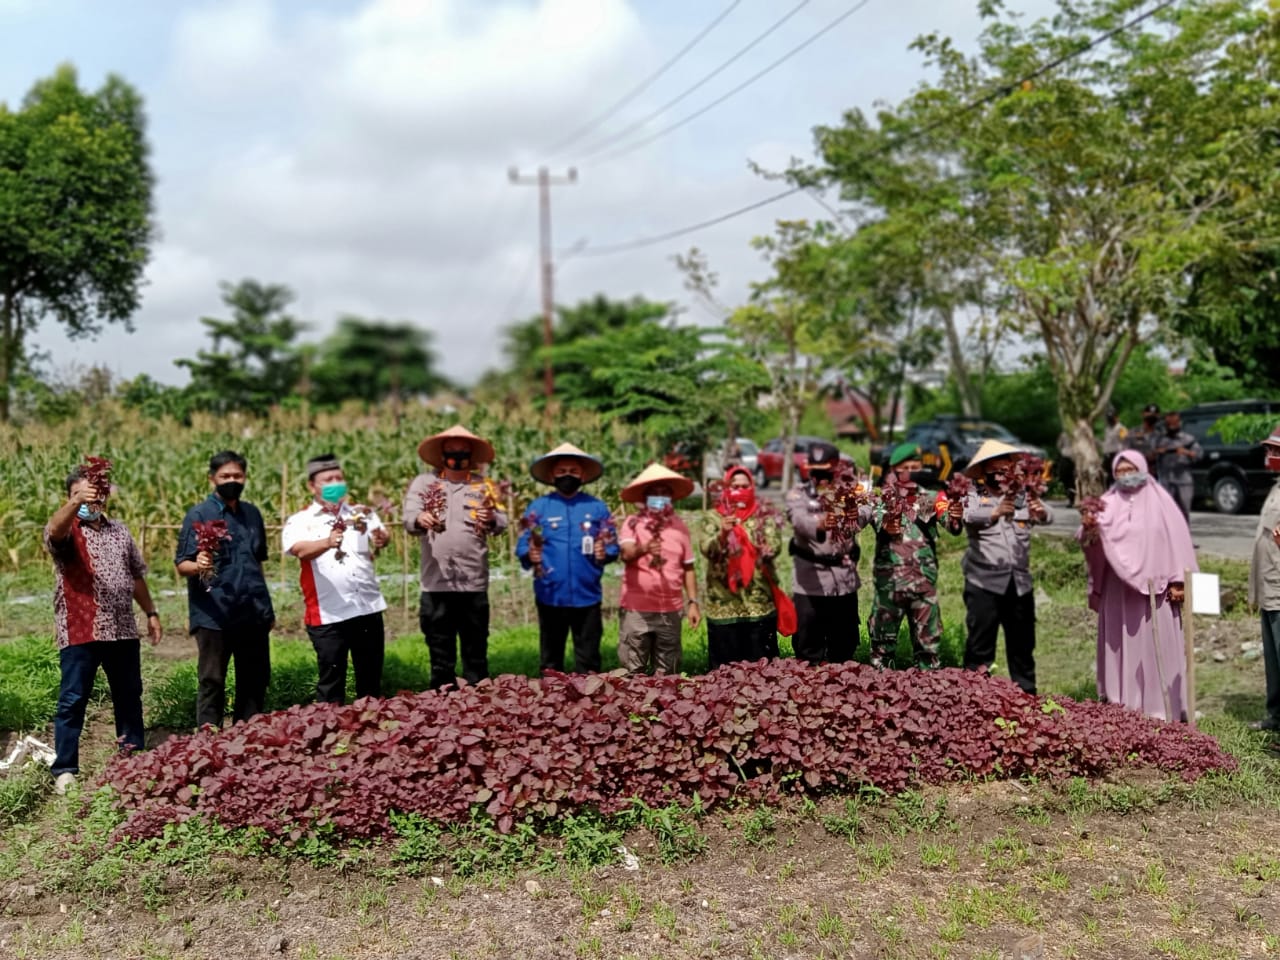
737,640
453,621
365,640
986,613
250,645
826,628
554,626
120,661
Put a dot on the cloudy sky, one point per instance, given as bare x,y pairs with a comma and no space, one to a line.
357,150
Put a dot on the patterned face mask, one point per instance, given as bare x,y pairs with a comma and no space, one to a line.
1131,481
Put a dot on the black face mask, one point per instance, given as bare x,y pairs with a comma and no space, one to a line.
1173,431
1149,421
457,460
230,492
920,477
567,484
819,477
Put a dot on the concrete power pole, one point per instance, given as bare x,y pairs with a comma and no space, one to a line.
545,181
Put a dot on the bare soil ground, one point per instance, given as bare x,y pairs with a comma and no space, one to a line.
984,870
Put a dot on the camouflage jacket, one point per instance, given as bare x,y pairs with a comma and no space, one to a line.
905,559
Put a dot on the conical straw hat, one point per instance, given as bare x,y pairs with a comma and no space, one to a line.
634,492
591,466
431,450
990,450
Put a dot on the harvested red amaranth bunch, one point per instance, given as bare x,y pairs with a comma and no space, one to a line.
1024,474
531,523
656,521
336,523
1091,506
210,537
898,500
841,502
97,470
436,502
958,487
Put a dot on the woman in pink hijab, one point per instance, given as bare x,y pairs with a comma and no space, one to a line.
1138,546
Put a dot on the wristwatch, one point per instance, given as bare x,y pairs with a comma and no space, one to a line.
152,613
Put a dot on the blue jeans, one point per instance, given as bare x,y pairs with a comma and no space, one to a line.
121,662
1271,660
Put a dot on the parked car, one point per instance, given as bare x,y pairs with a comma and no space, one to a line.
947,444
770,459
1230,475
714,464
685,459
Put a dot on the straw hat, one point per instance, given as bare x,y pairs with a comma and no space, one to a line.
991,450
431,450
591,466
634,492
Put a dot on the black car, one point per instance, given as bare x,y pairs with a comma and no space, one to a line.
948,442
1230,475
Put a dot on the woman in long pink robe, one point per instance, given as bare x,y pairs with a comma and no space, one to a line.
1137,546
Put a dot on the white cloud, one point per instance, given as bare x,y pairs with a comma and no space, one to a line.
359,155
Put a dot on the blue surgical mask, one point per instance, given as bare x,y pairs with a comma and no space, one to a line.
333,492
84,513
1131,481
657,503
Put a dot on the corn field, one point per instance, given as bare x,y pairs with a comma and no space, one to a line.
161,467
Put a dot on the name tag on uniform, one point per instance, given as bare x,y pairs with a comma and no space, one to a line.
588,541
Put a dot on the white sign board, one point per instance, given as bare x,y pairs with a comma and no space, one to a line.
1204,594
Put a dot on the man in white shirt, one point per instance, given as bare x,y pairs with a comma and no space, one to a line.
336,543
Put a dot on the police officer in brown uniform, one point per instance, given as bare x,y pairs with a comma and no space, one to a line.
997,572
825,569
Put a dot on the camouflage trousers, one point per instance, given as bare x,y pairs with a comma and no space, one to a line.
919,604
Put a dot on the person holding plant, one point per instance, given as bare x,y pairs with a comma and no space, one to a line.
825,569
1264,586
228,603
452,516
658,564
905,567
336,543
1138,550
740,538
997,566
576,540
98,575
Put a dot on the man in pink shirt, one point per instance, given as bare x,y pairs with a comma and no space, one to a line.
657,557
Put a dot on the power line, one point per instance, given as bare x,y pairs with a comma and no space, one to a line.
643,85
683,121
622,134
1002,90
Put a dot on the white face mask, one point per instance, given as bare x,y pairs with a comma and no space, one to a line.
1131,481
657,503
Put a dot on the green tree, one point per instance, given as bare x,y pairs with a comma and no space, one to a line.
75,212
260,364
677,382
1087,197
371,360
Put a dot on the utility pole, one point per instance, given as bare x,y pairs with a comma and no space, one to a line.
545,181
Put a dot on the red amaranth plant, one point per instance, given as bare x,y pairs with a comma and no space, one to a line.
334,510
97,470
514,747
1091,506
656,521
436,502
531,523
841,501
1024,474
211,535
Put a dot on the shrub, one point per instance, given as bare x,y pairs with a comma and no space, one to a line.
521,750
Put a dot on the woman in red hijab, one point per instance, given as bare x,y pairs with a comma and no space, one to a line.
739,543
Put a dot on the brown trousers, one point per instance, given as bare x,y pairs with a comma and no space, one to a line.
646,639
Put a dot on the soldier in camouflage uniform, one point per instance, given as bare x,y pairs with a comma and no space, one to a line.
905,570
